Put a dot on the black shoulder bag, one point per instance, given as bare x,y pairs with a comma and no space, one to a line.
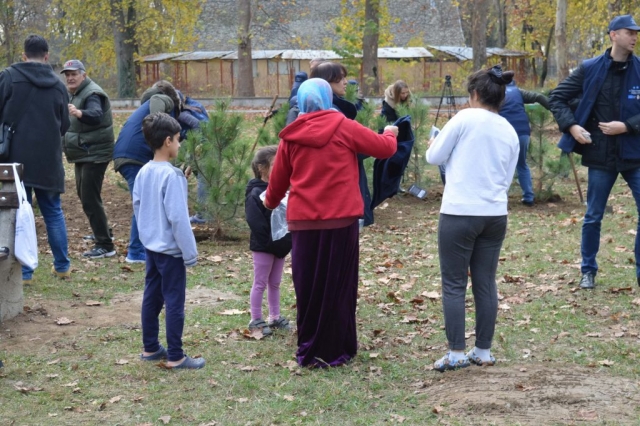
8,127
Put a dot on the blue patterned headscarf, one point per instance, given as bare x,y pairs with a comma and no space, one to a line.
314,94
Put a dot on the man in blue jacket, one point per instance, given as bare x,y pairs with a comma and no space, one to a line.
513,110
605,130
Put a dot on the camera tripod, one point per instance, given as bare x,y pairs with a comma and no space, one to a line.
447,93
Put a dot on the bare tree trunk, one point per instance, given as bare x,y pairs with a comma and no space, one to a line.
561,40
370,79
124,16
545,58
502,22
245,61
479,34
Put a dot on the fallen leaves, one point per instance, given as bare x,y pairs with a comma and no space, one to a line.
64,321
93,303
22,388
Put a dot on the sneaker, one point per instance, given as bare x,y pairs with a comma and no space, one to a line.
588,281
99,253
445,363
130,260
527,203
477,361
281,323
197,219
259,324
62,275
27,281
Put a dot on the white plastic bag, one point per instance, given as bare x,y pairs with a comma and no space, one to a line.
279,226
26,242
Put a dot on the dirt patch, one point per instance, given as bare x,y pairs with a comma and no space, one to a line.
36,328
549,394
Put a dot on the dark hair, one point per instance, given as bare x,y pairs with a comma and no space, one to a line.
35,47
490,84
263,158
331,72
157,127
167,89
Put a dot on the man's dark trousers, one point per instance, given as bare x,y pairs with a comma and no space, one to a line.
89,178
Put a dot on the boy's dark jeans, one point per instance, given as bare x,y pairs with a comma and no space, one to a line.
165,284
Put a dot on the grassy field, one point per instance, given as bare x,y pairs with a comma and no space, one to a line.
565,356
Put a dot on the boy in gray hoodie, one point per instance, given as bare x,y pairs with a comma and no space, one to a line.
160,207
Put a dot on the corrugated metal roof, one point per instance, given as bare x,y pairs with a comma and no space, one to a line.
257,54
498,51
461,53
310,54
403,52
202,56
159,57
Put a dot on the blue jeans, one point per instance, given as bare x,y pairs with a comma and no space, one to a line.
524,174
135,250
51,209
598,190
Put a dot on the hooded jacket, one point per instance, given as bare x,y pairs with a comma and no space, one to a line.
317,158
37,141
299,78
259,219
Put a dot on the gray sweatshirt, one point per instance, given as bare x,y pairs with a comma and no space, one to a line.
160,206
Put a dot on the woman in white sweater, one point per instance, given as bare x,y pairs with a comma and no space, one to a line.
480,150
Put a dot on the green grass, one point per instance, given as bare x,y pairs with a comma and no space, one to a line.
542,323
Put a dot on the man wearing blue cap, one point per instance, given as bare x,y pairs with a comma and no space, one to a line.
605,130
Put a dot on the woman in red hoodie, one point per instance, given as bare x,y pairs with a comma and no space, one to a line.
317,160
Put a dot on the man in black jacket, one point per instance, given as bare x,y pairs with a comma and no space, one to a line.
605,130
35,100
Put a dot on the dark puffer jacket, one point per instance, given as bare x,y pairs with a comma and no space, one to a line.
259,219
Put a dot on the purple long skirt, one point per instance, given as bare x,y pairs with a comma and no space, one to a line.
324,266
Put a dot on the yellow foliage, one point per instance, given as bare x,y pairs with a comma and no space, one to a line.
349,26
158,26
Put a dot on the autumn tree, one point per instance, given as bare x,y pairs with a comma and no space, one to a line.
350,29
18,18
245,60
110,34
561,40
371,34
479,34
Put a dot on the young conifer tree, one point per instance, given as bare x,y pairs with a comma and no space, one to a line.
221,155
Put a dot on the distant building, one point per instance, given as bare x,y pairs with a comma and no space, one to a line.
307,24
